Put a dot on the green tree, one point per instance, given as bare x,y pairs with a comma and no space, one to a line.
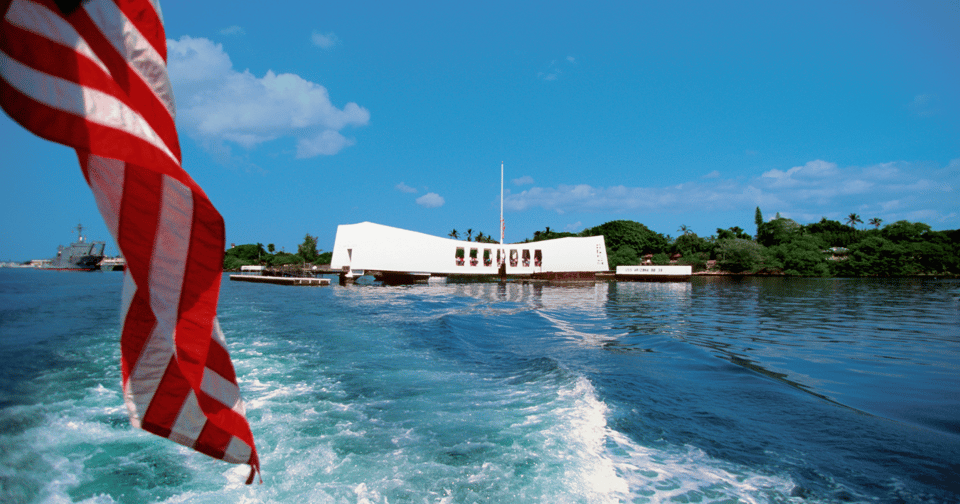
777,231
241,255
738,255
454,234
802,256
281,258
625,255
758,220
875,222
308,249
618,233
925,251
730,233
271,248
694,250
689,243
660,259
832,233
873,256
905,231
853,219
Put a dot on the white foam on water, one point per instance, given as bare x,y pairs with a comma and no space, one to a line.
394,424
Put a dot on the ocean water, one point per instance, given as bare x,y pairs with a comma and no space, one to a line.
716,390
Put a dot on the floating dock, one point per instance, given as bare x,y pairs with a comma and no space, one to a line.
305,281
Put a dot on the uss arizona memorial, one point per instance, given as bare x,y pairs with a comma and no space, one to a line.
369,246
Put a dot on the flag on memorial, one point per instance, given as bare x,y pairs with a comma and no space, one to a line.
92,75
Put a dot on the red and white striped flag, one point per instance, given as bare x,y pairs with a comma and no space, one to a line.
92,75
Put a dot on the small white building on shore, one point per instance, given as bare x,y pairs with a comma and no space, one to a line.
369,246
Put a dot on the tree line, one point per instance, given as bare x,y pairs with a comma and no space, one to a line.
255,254
782,246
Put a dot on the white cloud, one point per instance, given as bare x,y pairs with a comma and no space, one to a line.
233,30
713,174
217,103
892,191
801,175
524,180
324,40
405,188
430,200
327,143
571,59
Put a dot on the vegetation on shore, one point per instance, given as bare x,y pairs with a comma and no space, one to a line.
255,254
784,247
781,246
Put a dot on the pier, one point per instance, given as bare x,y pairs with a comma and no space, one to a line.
284,275
305,281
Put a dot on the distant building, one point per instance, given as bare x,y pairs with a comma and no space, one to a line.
369,246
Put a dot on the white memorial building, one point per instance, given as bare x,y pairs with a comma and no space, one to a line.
385,249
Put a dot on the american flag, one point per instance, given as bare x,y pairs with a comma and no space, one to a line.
92,75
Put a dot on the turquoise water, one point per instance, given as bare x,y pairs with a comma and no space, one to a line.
758,390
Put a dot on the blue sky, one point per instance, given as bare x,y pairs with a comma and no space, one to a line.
301,116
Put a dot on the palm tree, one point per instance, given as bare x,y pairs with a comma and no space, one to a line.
454,234
684,229
469,234
853,219
875,222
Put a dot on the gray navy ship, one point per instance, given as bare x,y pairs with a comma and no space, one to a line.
81,255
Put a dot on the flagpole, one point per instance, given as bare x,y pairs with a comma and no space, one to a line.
501,202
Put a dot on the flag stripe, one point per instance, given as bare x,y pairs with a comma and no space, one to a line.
27,46
169,252
213,440
218,360
105,177
137,65
38,19
95,106
138,326
167,400
147,20
190,422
